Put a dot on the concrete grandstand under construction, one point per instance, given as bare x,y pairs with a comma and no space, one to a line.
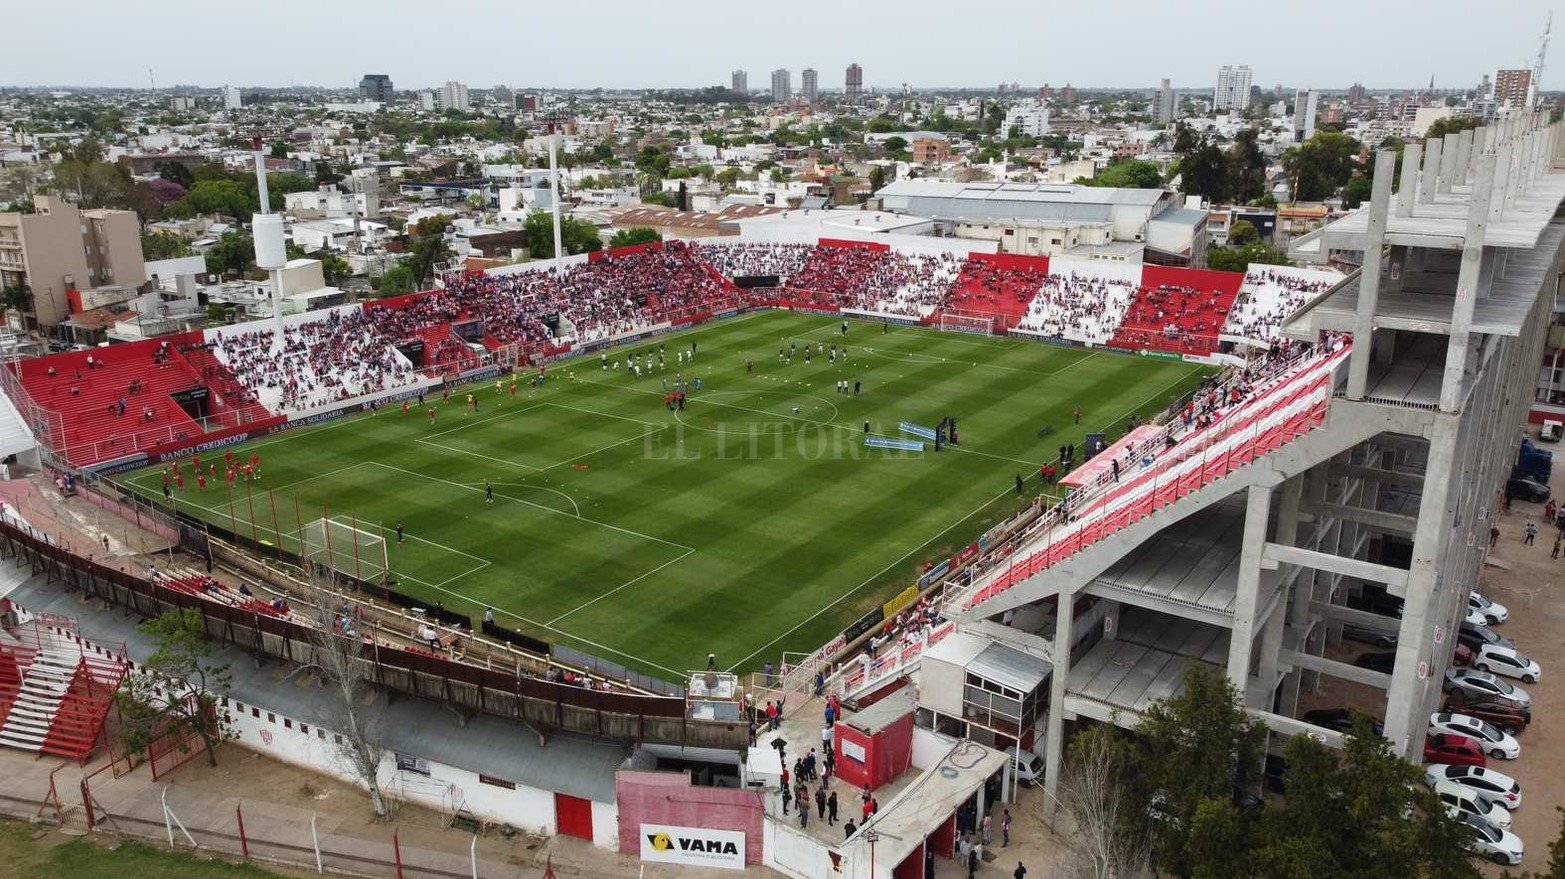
1374,461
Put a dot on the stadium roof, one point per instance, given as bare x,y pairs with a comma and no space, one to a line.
1046,193
485,744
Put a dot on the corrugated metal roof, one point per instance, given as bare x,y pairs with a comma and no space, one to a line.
1010,667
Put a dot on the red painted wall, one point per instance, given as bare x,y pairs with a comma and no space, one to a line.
1012,261
669,798
844,242
595,255
1201,279
887,752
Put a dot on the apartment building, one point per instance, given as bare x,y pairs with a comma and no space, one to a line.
59,248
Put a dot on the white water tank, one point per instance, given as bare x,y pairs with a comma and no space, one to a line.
270,250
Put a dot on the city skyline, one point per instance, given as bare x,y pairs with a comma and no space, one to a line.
112,46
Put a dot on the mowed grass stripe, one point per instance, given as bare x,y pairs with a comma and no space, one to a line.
729,525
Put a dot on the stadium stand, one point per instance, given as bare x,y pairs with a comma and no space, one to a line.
351,353
1269,294
118,398
1001,285
329,356
56,691
1179,311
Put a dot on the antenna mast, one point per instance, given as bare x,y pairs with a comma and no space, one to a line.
1537,68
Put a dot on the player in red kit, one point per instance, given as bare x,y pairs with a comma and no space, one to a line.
201,481
431,415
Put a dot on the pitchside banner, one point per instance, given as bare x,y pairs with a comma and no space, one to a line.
692,846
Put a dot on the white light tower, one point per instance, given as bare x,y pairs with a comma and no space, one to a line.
271,253
554,197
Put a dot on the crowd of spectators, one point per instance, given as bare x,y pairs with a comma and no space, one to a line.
344,355
1269,295
781,261
1173,317
1083,308
985,287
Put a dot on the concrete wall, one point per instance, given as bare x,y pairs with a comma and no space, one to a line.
670,798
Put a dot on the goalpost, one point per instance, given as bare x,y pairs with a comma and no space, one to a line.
966,322
340,547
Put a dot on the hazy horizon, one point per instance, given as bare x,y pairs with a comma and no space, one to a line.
1130,45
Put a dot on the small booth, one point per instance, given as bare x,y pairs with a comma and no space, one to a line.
876,744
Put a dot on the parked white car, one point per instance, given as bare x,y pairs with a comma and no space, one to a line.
1507,661
1028,766
1495,743
1493,611
1460,801
1496,786
1500,846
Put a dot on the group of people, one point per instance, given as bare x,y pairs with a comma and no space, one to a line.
1079,307
1268,296
342,355
1173,317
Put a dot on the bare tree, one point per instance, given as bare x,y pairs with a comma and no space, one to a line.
1107,842
343,660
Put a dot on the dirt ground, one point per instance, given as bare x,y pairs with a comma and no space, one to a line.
1532,586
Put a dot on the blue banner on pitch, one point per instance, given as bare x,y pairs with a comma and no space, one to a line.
886,442
917,430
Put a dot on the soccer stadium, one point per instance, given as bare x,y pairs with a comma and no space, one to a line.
638,518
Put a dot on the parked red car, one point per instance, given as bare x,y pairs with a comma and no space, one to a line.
1502,716
1453,749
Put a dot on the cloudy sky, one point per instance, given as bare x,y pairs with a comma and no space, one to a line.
617,43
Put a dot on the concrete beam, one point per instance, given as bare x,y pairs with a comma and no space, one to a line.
1333,668
1392,523
1323,561
1344,614
1375,474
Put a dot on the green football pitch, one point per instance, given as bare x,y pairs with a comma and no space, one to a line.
752,522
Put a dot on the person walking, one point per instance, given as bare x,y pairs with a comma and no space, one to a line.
1005,829
1555,553
787,792
820,802
984,828
1531,532
831,809
1494,535
803,796
1020,872
974,855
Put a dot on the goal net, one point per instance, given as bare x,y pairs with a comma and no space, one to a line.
967,322
327,544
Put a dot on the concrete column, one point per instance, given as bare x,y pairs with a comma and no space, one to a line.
1407,187
1054,744
1447,169
1369,276
1467,287
1464,156
1431,171
1502,176
1241,641
1405,720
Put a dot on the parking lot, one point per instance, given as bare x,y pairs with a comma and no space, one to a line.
1532,586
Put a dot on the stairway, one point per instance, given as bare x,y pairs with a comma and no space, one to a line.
15,437
45,682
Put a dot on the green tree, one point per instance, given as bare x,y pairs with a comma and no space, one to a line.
1197,751
1238,259
877,178
895,144
163,245
428,252
226,197
659,198
1204,173
1127,173
181,687
637,235
1246,167
334,267
1451,125
279,149
233,253
398,280
174,172
1359,811
576,235
1243,232
1321,165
